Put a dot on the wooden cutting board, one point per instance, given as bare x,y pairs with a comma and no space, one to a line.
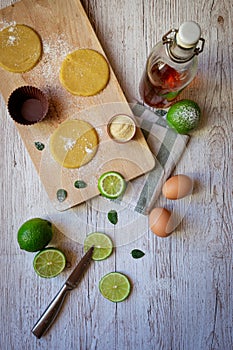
64,27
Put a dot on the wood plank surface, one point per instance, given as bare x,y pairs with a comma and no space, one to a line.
183,286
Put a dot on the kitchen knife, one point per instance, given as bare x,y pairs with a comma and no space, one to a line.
54,307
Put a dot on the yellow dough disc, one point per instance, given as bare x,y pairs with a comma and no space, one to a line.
74,143
84,72
20,48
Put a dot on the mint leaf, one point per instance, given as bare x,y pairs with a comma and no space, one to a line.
61,195
113,217
137,254
39,145
80,184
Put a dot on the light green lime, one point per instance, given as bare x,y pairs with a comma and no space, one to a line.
49,262
102,245
34,234
111,184
114,286
184,116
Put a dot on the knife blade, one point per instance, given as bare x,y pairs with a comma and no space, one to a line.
51,312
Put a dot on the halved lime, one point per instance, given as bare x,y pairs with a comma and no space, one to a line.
114,286
184,116
102,245
49,262
111,184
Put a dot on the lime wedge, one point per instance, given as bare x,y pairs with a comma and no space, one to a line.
111,184
49,262
114,286
102,245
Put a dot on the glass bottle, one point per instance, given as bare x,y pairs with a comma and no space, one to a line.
171,65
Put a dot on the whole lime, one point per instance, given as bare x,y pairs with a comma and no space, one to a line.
184,116
34,234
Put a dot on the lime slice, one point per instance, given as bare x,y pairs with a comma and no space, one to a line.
184,116
49,262
114,286
102,245
34,234
111,184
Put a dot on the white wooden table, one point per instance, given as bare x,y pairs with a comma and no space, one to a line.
183,286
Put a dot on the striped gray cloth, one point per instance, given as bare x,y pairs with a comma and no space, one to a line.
167,147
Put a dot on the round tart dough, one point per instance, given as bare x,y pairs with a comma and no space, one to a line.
84,72
74,143
20,48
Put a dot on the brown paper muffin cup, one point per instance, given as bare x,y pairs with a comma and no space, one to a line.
27,105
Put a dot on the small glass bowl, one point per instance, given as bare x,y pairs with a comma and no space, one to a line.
117,120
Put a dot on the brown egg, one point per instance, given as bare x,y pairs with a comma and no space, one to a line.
177,187
161,222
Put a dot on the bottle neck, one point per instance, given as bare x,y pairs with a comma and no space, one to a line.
178,53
